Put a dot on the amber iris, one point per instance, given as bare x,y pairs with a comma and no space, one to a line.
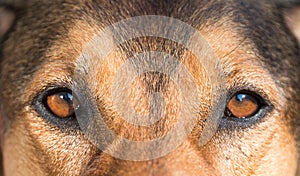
243,105
61,104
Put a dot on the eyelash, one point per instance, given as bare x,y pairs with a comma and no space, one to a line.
253,90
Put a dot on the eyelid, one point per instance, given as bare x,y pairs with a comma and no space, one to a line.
266,107
51,88
258,93
39,107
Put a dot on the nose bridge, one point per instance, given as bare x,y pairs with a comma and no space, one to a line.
185,160
151,86
157,100
148,102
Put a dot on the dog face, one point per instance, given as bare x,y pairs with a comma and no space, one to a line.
257,55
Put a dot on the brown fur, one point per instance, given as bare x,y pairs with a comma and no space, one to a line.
257,51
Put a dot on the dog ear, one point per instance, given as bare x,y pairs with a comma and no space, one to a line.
291,14
7,17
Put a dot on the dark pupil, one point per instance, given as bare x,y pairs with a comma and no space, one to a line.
66,96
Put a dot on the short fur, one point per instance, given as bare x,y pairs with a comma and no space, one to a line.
256,49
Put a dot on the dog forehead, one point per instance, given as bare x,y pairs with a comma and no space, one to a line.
45,32
44,21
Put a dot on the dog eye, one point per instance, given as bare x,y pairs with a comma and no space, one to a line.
60,104
243,105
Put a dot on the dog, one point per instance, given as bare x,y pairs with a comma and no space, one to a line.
256,98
